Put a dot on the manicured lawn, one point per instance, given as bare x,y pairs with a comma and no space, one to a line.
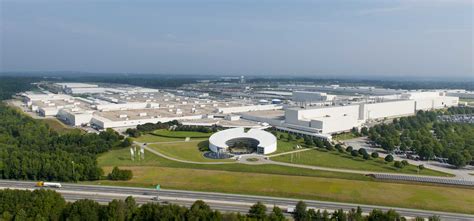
149,138
285,146
354,191
185,150
283,181
121,157
181,134
344,136
334,159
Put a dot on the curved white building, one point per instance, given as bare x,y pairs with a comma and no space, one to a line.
263,141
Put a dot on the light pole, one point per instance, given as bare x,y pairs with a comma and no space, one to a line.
73,176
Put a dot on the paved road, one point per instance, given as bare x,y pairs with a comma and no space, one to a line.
219,201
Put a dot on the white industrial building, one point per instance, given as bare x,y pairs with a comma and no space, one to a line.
132,106
80,88
309,97
263,141
75,117
129,108
230,110
126,106
334,119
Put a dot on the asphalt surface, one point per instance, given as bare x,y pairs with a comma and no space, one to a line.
218,201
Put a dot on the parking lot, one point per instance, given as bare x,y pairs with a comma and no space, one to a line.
364,142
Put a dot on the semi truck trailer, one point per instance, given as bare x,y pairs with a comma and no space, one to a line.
48,184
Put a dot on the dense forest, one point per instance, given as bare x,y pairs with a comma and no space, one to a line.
12,85
387,83
428,137
152,81
49,205
29,149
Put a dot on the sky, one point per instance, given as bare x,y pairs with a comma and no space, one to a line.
396,38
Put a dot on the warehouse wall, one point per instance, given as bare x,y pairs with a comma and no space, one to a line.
337,124
352,110
229,110
389,109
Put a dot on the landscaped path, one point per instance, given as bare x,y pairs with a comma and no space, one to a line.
172,158
290,152
266,160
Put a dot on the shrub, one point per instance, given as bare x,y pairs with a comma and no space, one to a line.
330,148
118,174
290,137
133,132
389,158
375,155
354,153
349,149
366,156
405,163
362,151
421,167
126,142
398,164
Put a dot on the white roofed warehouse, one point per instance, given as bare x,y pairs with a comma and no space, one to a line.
237,139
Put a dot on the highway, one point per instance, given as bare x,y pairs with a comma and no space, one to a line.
218,201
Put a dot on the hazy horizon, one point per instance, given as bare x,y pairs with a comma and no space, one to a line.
409,39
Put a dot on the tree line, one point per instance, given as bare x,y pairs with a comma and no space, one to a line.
50,205
428,137
328,146
149,127
30,150
170,125
10,85
385,83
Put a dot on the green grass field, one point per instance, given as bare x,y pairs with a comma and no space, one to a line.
344,136
284,146
365,192
186,151
334,159
149,138
282,181
121,157
181,134
59,126
170,136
